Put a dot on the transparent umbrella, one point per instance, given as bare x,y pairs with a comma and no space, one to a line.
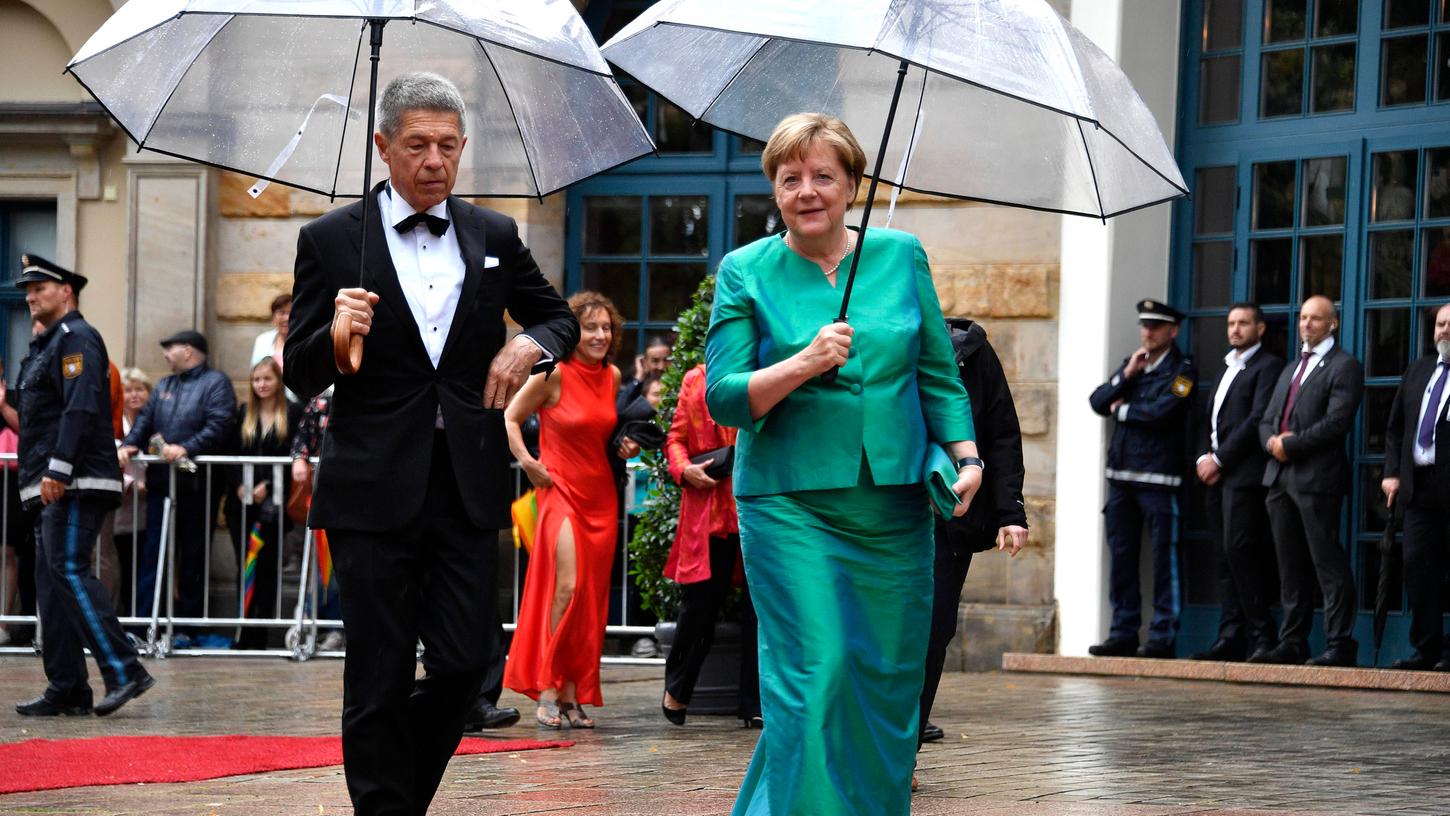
1003,101
276,89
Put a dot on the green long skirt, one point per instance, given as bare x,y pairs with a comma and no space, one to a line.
842,585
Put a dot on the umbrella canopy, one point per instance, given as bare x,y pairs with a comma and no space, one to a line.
1002,100
278,89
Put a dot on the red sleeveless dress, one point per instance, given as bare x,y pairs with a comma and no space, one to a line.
573,444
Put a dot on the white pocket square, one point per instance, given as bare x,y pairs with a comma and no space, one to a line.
489,262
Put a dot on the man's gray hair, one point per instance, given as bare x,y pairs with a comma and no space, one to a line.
418,91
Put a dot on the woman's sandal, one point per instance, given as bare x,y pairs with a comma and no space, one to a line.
548,714
580,721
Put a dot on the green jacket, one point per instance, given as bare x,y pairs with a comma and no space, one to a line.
898,387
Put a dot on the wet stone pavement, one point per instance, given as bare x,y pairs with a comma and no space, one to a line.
1016,744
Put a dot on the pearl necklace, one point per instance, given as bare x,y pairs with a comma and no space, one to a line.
839,260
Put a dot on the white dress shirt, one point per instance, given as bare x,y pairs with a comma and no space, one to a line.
1426,456
430,269
1235,361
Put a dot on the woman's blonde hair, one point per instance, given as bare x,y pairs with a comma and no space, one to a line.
252,414
582,303
135,375
796,134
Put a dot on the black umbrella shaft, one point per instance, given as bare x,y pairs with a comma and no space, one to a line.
871,190
376,41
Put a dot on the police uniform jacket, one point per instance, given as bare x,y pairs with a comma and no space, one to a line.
1148,447
65,413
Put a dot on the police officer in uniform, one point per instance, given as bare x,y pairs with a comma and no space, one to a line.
68,464
1147,397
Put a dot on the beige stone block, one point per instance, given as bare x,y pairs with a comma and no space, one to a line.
1029,577
233,200
984,234
987,579
1021,290
311,205
988,631
1036,407
1027,348
1039,459
257,244
247,296
231,349
1041,521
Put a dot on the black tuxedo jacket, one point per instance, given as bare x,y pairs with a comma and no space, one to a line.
377,450
1239,452
1404,426
1321,420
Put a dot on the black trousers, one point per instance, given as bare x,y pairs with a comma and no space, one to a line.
700,605
427,581
75,610
189,518
1427,536
491,688
241,521
949,573
1238,521
1306,540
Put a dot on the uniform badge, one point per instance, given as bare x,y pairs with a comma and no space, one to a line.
72,366
1181,387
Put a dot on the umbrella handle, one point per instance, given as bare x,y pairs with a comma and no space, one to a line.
829,376
347,348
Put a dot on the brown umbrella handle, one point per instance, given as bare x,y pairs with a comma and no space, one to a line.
347,348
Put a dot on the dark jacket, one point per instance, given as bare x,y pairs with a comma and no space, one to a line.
377,451
1404,427
1148,443
262,444
998,502
1239,452
1321,420
192,409
65,412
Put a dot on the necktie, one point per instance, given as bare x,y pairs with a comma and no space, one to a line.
1294,391
436,225
1432,409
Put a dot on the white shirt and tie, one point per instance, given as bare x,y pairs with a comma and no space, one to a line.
1235,362
430,271
1426,456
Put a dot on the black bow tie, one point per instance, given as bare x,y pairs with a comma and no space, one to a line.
436,225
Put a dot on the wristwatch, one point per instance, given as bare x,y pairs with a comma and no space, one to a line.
970,461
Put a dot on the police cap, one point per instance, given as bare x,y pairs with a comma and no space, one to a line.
35,269
1155,311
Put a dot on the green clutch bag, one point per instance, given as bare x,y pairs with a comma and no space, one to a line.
940,473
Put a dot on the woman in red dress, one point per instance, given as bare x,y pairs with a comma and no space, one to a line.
555,654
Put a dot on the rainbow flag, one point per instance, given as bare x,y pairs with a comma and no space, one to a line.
525,512
255,542
324,558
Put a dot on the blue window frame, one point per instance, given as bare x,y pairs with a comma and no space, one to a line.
645,234
25,226
1316,137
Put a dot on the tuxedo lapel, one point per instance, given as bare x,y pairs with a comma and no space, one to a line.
471,243
381,276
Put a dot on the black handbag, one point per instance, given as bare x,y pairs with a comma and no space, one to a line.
644,432
718,462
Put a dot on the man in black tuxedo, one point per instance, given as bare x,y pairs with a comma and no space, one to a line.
1417,471
412,484
1232,471
1304,430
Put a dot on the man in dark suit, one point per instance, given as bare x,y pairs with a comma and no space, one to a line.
1304,430
412,484
1417,471
1232,471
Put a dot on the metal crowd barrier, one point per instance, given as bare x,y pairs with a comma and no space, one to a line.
156,634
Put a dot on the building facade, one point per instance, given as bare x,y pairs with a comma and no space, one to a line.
1315,135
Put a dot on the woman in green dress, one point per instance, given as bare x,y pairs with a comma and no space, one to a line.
835,522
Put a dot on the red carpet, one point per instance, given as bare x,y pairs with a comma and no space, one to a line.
42,764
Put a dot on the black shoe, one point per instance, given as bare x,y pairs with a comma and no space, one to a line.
1158,649
1261,653
1342,655
1286,654
932,733
1443,665
121,695
676,715
749,722
487,715
1114,647
1222,650
1417,663
44,706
